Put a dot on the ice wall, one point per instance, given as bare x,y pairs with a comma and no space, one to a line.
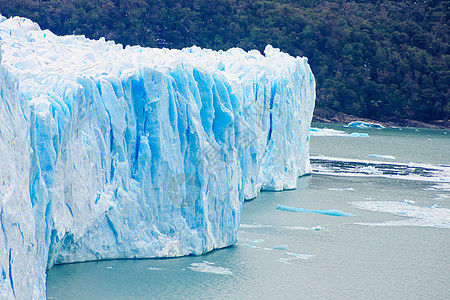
112,152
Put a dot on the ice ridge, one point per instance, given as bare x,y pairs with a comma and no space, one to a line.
113,152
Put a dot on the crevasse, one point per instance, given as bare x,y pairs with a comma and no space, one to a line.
113,152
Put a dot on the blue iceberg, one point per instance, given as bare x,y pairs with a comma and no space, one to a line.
130,152
328,212
361,124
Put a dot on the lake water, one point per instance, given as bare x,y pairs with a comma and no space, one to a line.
395,183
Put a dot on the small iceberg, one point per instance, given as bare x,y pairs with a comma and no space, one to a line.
328,212
381,156
280,247
361,124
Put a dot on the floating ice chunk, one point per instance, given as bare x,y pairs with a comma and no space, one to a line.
257,241
328,212
358,135
381,156
361,124
326,132
155,269
300,255
337,133
313,228
408,201
250,246
433,216
340,190
370,170
280,247
255,226
294,257
209,267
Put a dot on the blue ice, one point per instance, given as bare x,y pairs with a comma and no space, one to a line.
328,212
361,124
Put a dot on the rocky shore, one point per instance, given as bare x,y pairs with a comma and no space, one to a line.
328,116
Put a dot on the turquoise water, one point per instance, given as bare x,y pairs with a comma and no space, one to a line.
396,246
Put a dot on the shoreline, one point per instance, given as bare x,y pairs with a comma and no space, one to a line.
328,116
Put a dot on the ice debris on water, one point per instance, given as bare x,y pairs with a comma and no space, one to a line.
337,133
130,152
254,226
326,132
358,135
340,189
280,247
293,257
381,156
328,212
209,267
304,228
370,170
433,216
155,269
257,241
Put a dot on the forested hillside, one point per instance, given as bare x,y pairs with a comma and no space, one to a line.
384,60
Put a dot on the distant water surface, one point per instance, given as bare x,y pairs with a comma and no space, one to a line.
395,247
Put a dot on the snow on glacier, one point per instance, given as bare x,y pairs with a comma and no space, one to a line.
113,152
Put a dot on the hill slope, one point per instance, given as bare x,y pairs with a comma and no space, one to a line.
384,60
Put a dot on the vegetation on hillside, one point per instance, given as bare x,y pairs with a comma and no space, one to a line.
379,59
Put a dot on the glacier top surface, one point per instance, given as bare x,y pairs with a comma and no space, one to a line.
44,57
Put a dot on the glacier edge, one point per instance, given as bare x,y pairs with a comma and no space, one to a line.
113,152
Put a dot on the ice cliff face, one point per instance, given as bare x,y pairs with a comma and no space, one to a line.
108,152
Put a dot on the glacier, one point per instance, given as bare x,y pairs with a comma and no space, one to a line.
131,152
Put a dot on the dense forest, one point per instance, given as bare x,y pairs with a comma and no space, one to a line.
379,59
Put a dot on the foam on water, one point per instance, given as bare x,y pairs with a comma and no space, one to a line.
432,216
